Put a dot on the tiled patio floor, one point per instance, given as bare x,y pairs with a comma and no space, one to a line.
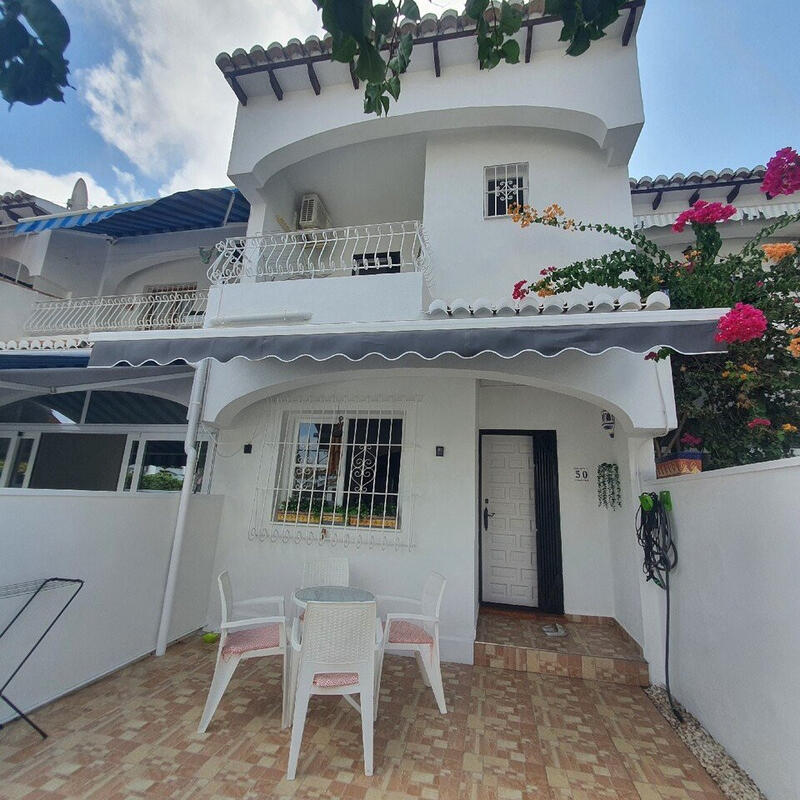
508,735
593,648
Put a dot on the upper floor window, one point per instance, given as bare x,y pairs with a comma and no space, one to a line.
504,185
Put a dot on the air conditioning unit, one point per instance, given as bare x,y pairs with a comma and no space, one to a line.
313,213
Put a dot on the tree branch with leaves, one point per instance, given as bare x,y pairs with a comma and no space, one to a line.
368,36
33,38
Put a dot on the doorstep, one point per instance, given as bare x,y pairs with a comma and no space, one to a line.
597,650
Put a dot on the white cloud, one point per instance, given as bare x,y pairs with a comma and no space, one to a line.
55,188
161,100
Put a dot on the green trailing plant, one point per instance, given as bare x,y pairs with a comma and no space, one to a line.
33,37
609,490
161,481
367,36
744,406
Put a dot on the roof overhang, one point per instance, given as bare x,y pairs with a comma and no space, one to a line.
688,332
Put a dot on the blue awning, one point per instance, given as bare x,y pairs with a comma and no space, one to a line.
182,211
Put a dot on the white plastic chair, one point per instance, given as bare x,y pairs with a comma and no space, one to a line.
337,656
417,632
245,638
324,572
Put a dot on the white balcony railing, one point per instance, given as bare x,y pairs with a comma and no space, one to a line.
354,250
162,310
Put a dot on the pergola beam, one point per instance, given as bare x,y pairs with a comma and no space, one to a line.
237,89
629,23
276,87
312,76
437,66
657,200
732,194
528,44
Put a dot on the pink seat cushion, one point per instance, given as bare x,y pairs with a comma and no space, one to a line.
403,632
334,680
240,642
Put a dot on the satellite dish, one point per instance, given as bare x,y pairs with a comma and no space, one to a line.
80,196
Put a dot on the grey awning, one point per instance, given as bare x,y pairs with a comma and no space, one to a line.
72,378
687,337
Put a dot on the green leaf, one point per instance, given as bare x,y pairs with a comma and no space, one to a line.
393,87
511,51
406,46
510,18
47,22
476,8
13,38
580,42
410,10
384,15
385,101
345,50
369,64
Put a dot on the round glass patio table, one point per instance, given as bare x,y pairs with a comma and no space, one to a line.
332,594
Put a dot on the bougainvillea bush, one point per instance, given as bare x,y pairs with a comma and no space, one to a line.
744,405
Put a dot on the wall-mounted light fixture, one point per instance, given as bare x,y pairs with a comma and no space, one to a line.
609,422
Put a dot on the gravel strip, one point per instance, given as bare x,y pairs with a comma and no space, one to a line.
732,780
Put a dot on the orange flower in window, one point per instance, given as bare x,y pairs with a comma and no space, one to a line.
778,251
789,428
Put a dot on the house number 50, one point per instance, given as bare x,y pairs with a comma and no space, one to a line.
581,474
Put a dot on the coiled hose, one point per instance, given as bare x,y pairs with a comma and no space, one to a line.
660,558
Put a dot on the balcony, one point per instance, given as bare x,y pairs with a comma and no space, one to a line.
162,310
355,250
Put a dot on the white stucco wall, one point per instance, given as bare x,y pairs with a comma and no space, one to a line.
444,512
476,257
735,641
15,307
450,412
586,530
120,546
180,270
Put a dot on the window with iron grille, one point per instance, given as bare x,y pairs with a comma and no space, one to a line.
504,185
340,471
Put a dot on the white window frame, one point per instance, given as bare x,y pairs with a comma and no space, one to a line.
17,432
16,436
498,172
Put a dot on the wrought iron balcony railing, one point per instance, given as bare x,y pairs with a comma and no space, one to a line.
160,310
354,250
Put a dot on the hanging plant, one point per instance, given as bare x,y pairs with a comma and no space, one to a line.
609,491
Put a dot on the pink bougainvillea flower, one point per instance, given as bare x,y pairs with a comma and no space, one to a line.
690,440
783,173
520,290
703,213
759,422
741,324
651,356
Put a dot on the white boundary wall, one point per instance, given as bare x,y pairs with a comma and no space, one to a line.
120,546
735,645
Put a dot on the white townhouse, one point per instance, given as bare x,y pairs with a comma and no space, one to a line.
356,375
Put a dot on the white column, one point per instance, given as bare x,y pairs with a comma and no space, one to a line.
190,448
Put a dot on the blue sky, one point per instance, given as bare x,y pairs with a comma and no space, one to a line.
151,114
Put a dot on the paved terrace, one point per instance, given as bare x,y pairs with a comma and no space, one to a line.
509,736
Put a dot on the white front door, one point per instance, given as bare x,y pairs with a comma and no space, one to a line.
508,521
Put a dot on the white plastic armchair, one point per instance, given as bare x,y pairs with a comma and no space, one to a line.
325,572
418,632
337,656
245,638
